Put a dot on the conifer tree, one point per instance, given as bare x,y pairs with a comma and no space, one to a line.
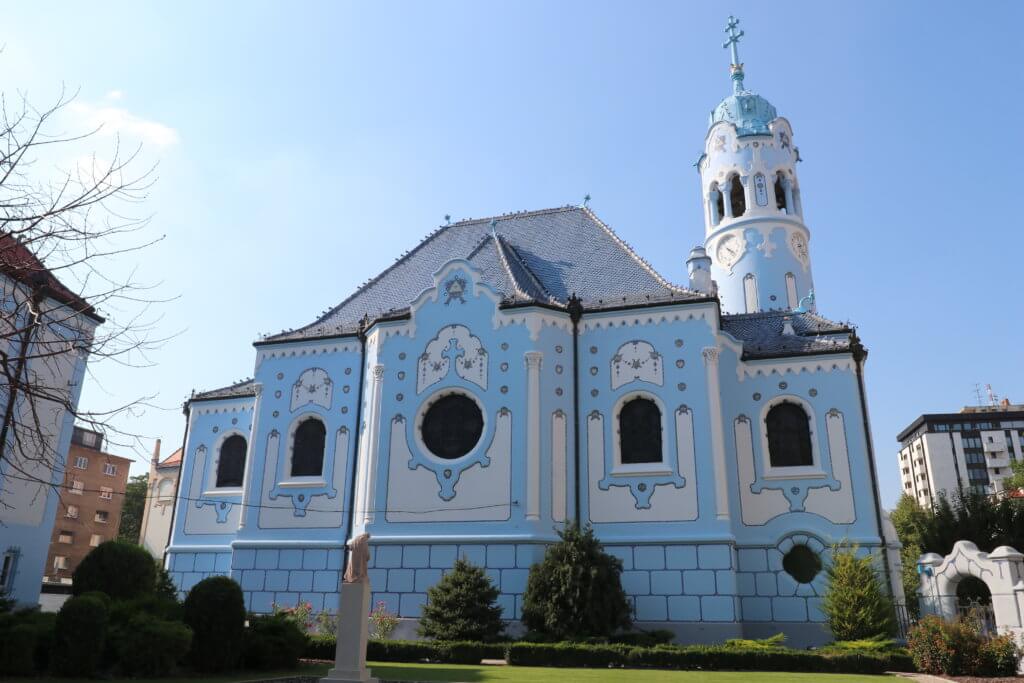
855,604
462,606
576,590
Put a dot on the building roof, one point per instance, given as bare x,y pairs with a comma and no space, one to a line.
763,334
18,262
976,414
532,257
243,388
172,460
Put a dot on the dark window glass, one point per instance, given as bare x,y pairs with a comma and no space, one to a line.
640,432
308,450
736,198
780,193
231,465
719,202
789,436
801,563
452,426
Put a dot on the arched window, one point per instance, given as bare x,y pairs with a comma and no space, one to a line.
717,204
640,432
789,436
750,293
737,199
781,200
792,300
308,449
165,489
231,464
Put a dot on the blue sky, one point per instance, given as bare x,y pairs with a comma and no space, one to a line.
302,146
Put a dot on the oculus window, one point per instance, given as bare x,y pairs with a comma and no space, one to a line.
231,465
640,432
308,449
802,563
789,436
452,426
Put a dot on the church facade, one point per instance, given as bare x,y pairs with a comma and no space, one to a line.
510,374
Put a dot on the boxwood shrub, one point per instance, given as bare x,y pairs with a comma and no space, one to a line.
80,636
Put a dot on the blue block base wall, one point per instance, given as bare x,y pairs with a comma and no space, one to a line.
709,583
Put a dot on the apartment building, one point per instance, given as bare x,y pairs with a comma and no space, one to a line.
971,450
90,504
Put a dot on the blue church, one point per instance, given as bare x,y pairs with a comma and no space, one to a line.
512,373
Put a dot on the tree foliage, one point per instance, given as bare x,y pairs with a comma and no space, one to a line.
909,518
121,570
576,591
215,611
134,507
462,606
854,603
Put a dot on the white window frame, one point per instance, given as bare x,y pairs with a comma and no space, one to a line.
106,493
792,297
8,568
812,471
60,562
750,303
81,462
620,469
214,463
95,540
109,469
71,509
96,517
61,535
77,487
313,481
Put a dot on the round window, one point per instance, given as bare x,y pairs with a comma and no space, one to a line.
802,564
452,426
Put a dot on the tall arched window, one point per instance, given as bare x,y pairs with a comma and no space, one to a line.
231,464
750,293
789,436
717,204
792,300
781,200
308,448
640,432
737,199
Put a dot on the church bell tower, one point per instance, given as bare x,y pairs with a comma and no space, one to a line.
754,229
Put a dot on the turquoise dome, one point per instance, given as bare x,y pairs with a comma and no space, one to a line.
749,112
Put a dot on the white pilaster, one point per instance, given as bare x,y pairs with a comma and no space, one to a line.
711,354
250,453
372,444
533,361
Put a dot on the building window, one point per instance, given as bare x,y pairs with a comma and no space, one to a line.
165,490
95,540
750,293
102,516
640,432
308,448
780,192
717,204
7,567
77,487
737,198
452,426
109,469
81,462
231,464
789,436
65,537
60,562
791,296
72,512
802,563
106,493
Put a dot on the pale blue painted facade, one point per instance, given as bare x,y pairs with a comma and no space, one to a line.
488,310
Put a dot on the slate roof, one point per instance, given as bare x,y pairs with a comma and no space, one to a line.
762,334
537,256
246,387
18,262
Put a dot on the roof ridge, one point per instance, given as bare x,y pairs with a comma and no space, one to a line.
508,268
516,214
504,244
636,257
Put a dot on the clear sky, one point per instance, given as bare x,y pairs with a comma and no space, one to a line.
304,145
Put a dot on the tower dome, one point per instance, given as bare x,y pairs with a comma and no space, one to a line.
748,111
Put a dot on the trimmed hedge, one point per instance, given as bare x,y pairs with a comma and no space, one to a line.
579,655
119,569
79,636
215,611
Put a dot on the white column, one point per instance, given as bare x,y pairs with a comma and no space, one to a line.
710,354
372,444
250,453
533,360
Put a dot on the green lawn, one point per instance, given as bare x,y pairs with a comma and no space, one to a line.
453,673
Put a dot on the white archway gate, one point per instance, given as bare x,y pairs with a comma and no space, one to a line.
1002,570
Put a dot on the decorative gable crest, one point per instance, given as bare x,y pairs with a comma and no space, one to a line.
313,386
455,289
453,345
636,361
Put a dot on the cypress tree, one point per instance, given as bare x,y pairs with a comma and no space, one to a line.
855,604
462,606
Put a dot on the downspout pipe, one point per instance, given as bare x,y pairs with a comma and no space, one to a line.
575,309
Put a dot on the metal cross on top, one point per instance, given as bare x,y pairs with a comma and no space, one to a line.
734,39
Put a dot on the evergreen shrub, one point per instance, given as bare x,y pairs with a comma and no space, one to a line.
462,606
146,645
274,642
17,650
121,570
576,591
855,604
215,611
79,636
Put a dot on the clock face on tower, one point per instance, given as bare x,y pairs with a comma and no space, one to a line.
729,250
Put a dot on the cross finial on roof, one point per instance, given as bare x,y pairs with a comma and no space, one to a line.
447,219
736,68
586,200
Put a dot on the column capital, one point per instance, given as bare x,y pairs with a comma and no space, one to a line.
710,354
533,359
378,372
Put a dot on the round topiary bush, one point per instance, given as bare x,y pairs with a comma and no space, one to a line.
462,606
121,570
79,636
273,642
576,592
215,611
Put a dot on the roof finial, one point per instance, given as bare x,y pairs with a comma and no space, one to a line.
736,68
447,219
586,200
494,232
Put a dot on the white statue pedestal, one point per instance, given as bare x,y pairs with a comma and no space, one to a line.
350,653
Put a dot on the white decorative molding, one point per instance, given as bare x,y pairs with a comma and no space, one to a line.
835,506
313,386
453,345
559,466
745,369
755,508
534,319
369,449
710,355
687,462
223,406
532,360
598,321
297,349
636,361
